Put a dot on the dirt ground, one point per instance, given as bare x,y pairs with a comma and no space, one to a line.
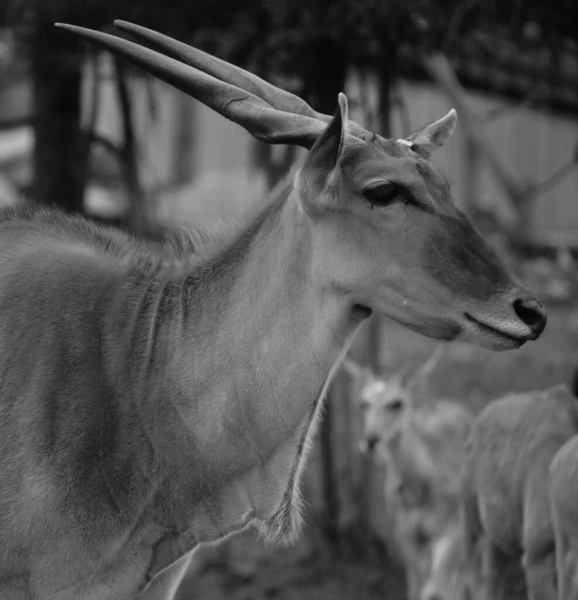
250,571
247,570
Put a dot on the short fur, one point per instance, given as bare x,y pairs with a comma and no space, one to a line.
100,270
505,492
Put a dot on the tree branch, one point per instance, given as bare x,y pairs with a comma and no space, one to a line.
553,180
106,143
496,113
442,72
517,195
403,111
137,208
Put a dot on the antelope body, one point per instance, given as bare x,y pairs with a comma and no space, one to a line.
427,451
421,440
153,400
506,499
563,495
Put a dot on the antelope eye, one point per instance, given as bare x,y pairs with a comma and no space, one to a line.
396,405
384,195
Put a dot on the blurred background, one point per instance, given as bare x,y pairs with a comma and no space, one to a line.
87,132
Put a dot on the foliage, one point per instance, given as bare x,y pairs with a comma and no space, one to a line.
279,35
365,28
373,32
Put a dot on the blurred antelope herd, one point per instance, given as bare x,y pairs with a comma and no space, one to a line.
482,506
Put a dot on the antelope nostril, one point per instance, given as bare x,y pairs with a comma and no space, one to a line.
372,442
531,312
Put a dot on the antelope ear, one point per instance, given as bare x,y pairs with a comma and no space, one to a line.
404,375
430,137
419,380
319,176
431,363
357,371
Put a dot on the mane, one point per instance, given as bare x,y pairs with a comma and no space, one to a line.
195,248
214,238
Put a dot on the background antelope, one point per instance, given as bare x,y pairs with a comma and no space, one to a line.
563,494
506,499
420,435
421,441
153,400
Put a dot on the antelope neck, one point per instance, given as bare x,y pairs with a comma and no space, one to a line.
261,338
243,376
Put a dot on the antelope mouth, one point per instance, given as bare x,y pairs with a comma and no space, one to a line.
500,336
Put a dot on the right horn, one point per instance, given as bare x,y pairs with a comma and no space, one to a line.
234,75
255,114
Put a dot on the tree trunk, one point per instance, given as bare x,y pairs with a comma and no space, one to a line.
325,71
184,161
264,160
137,215
472,175
273,161
60,152
363,538
375,341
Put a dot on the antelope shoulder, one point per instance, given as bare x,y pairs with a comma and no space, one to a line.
509,453
504,496
70,484
564,487
563,496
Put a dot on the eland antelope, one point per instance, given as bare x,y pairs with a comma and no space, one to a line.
505,494
153,400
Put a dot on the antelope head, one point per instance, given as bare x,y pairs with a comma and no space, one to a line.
387,403
381,228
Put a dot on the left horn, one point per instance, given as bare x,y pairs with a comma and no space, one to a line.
256,115
276,97
232,74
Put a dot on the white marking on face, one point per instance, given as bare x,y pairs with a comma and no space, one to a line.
374,389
